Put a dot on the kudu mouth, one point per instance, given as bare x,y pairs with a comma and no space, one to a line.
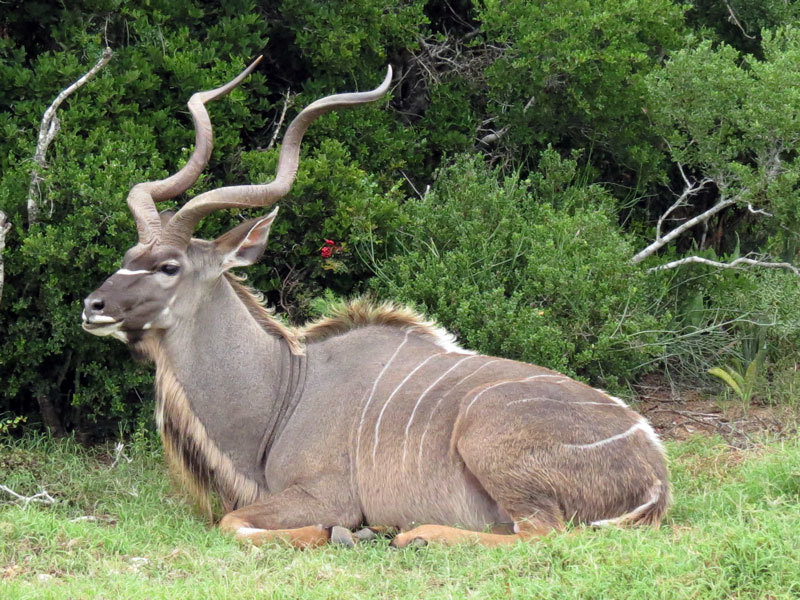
96,322
103,325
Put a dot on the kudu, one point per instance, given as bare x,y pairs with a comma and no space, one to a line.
371,416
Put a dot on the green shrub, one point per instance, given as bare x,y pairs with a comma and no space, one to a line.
571,74
536,270
129,124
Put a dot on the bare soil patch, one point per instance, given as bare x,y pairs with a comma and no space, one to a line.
680,414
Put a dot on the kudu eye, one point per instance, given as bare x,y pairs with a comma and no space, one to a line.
169,269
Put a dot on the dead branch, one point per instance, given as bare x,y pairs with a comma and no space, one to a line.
735,20
288,100
660,241
47,132
42,497
734,264
492,138
5,227
118,454
758,211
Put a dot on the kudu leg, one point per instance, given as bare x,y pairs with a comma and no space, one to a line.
287,516
310,536
449,536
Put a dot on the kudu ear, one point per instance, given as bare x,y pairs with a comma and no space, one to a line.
244,244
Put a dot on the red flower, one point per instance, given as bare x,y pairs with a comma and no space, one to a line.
329,242
326,251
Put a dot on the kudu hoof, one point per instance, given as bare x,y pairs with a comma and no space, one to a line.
342,536
365,535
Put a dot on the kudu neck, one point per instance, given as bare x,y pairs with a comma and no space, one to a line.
235,376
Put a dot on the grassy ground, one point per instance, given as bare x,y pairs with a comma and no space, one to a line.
734,532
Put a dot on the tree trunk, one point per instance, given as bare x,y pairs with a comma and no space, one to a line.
50,415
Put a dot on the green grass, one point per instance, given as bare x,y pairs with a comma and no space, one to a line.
734,532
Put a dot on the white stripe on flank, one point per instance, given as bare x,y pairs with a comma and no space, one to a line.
419,400
638,427
612,398
436,407
560,378
544,399
372,393
129,272
389,399
652,435
655,494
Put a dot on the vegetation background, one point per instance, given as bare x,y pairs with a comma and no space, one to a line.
530,181
607,188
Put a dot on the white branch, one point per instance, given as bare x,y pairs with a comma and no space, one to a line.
758,211
660,242
689,191
42,497
733,19
287,102
734,264
492,138
118,453
5,227
47,131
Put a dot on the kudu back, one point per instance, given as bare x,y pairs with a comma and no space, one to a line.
371,416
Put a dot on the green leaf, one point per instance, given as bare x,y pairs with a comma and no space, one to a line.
726,377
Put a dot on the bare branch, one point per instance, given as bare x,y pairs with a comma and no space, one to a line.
47,132
734,264
5,227
758,211
118,453
660,241
288,100
492,138
690,190
42,497
736,21
413,187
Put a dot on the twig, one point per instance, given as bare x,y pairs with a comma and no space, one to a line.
47,132
734,264
42,497
5,227
413,187
757,211
735,20
287,102
118,453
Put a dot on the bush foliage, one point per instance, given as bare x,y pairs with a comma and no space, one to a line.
534,269
524,156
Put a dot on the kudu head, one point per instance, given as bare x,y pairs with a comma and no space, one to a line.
168,273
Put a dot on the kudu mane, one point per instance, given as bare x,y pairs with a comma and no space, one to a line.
343,317
196,464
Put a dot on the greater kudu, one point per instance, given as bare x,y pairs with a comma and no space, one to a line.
370,416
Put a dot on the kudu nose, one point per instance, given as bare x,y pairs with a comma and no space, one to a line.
94,304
